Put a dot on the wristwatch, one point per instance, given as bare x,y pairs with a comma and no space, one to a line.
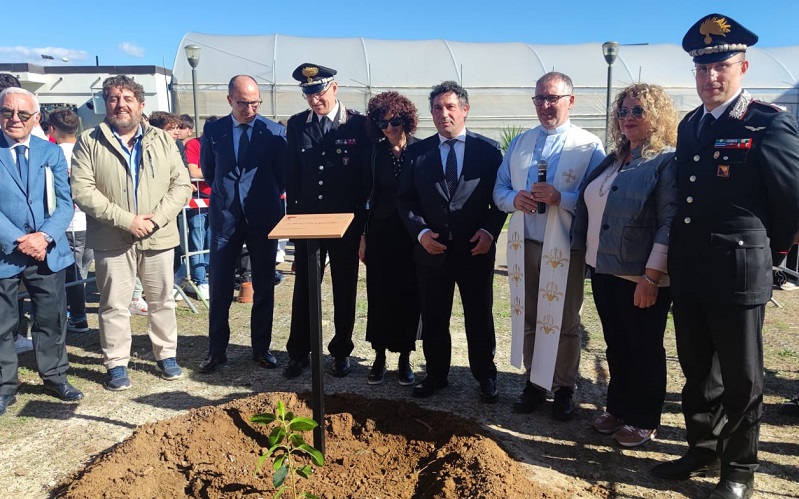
47,237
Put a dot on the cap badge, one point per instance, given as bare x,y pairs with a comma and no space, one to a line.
309,72
714,26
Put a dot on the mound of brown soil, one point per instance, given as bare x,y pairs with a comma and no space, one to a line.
374,448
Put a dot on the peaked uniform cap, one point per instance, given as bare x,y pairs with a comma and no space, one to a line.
313,78
715,38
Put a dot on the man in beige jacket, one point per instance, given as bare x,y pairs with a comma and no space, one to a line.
129,179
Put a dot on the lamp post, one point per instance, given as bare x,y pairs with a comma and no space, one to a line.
193,56
610,50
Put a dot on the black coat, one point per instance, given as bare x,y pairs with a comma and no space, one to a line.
424,203
738,194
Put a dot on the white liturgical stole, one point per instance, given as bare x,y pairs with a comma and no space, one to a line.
574,160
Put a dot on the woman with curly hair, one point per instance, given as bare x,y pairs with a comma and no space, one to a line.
622,219
386,248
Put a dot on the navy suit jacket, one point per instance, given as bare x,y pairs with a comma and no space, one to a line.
424,202
252,191
23,207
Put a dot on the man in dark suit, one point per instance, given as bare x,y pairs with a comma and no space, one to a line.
445,199
35,209
242,159
327,172
738,185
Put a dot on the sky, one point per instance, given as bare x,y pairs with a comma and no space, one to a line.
150,32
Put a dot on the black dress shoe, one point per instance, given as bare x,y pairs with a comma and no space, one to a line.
378,370
295,367
405,375
530,398
488,391
341,367
5,401
265,359
727,489
428,386
210,363
563,405
64,391
694,463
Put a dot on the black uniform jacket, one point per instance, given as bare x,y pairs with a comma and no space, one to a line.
738,193
330,173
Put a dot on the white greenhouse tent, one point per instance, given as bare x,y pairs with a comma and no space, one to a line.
500,77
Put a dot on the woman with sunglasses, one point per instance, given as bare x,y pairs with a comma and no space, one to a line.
622,219
386,248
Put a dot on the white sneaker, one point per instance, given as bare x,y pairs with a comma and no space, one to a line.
178,296
138,307
204,291
23,344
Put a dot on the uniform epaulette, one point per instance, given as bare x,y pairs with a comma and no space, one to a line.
297,114
768,105
353,112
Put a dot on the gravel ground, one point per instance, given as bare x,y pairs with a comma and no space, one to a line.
42,440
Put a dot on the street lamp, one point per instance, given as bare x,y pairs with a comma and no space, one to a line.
193,56
610,50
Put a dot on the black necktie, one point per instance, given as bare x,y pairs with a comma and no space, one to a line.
323,124
22,163
244,143
704,125
451,172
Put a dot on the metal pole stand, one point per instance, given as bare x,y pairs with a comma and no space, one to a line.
317,359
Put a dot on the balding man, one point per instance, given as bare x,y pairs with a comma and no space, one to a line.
242,158
35,209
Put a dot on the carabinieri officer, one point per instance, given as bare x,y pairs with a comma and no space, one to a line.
738,188
327,172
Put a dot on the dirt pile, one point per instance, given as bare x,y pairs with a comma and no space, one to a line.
374,448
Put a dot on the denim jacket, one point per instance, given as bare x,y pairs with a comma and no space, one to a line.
640,207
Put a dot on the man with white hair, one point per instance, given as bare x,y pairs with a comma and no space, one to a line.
35,209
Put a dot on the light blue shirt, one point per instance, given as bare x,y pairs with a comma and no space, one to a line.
548,147
133,159
237,133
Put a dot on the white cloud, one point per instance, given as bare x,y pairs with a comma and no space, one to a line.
131,49
34,55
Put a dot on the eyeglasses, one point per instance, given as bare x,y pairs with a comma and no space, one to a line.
249,103
395,121
704,70
317,95
22,115
636,111
550,99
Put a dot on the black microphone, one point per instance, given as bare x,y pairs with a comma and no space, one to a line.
542,177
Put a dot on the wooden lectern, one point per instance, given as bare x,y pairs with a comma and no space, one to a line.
314,227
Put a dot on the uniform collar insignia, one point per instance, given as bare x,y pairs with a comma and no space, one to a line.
741,105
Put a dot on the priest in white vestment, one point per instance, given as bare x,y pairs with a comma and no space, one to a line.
546,277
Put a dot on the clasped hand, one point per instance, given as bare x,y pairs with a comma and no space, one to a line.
142,226
481,239
540,192
33,245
